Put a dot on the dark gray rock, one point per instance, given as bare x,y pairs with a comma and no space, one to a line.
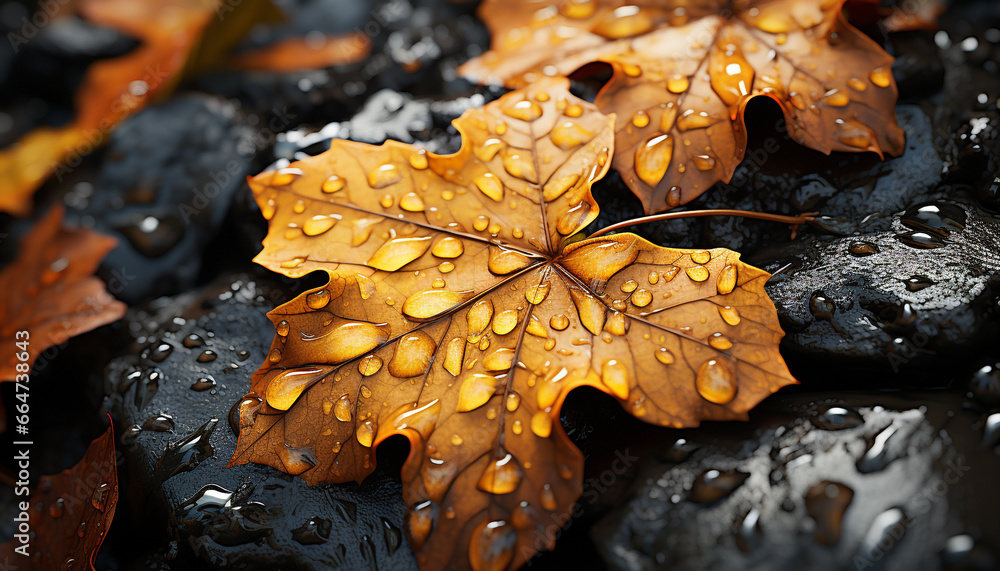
387,115
415,47
249,516
896,298
884,489
169,176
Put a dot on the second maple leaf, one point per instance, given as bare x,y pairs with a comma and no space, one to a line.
685,71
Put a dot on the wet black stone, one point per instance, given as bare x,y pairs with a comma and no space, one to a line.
252,514
170,174
899,306
984,386
919,68
823,513
416,46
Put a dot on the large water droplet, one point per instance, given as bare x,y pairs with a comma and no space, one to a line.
541,424
413,355
384,175
500,360
881,76
525,110
343,409
570,135
492,546
284,389
652,159
624,22
715,383
397,252
504,261
476,390
614,375
726,282
490,185
319,224
501,476
433,302
826,503
592,312
448,247
318,299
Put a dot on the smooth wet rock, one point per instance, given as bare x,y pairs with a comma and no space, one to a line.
169,176
804,504
249,516
415,47
923,293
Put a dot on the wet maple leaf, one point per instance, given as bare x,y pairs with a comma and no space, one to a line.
70,512
50,290
456,315
684,72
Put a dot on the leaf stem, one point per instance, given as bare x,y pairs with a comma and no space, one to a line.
792,220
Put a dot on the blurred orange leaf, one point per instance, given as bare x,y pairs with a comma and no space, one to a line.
50,291
295,54
69,513
685,71
111,90
457,316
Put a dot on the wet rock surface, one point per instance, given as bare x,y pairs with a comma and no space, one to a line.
896,298
177,439
858,481
169,176
415,47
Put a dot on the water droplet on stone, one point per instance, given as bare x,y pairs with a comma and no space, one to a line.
826,503
862,248
185,454
160,423
837,418
713,485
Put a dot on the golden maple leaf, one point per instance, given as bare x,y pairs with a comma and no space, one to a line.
457,316
684,71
